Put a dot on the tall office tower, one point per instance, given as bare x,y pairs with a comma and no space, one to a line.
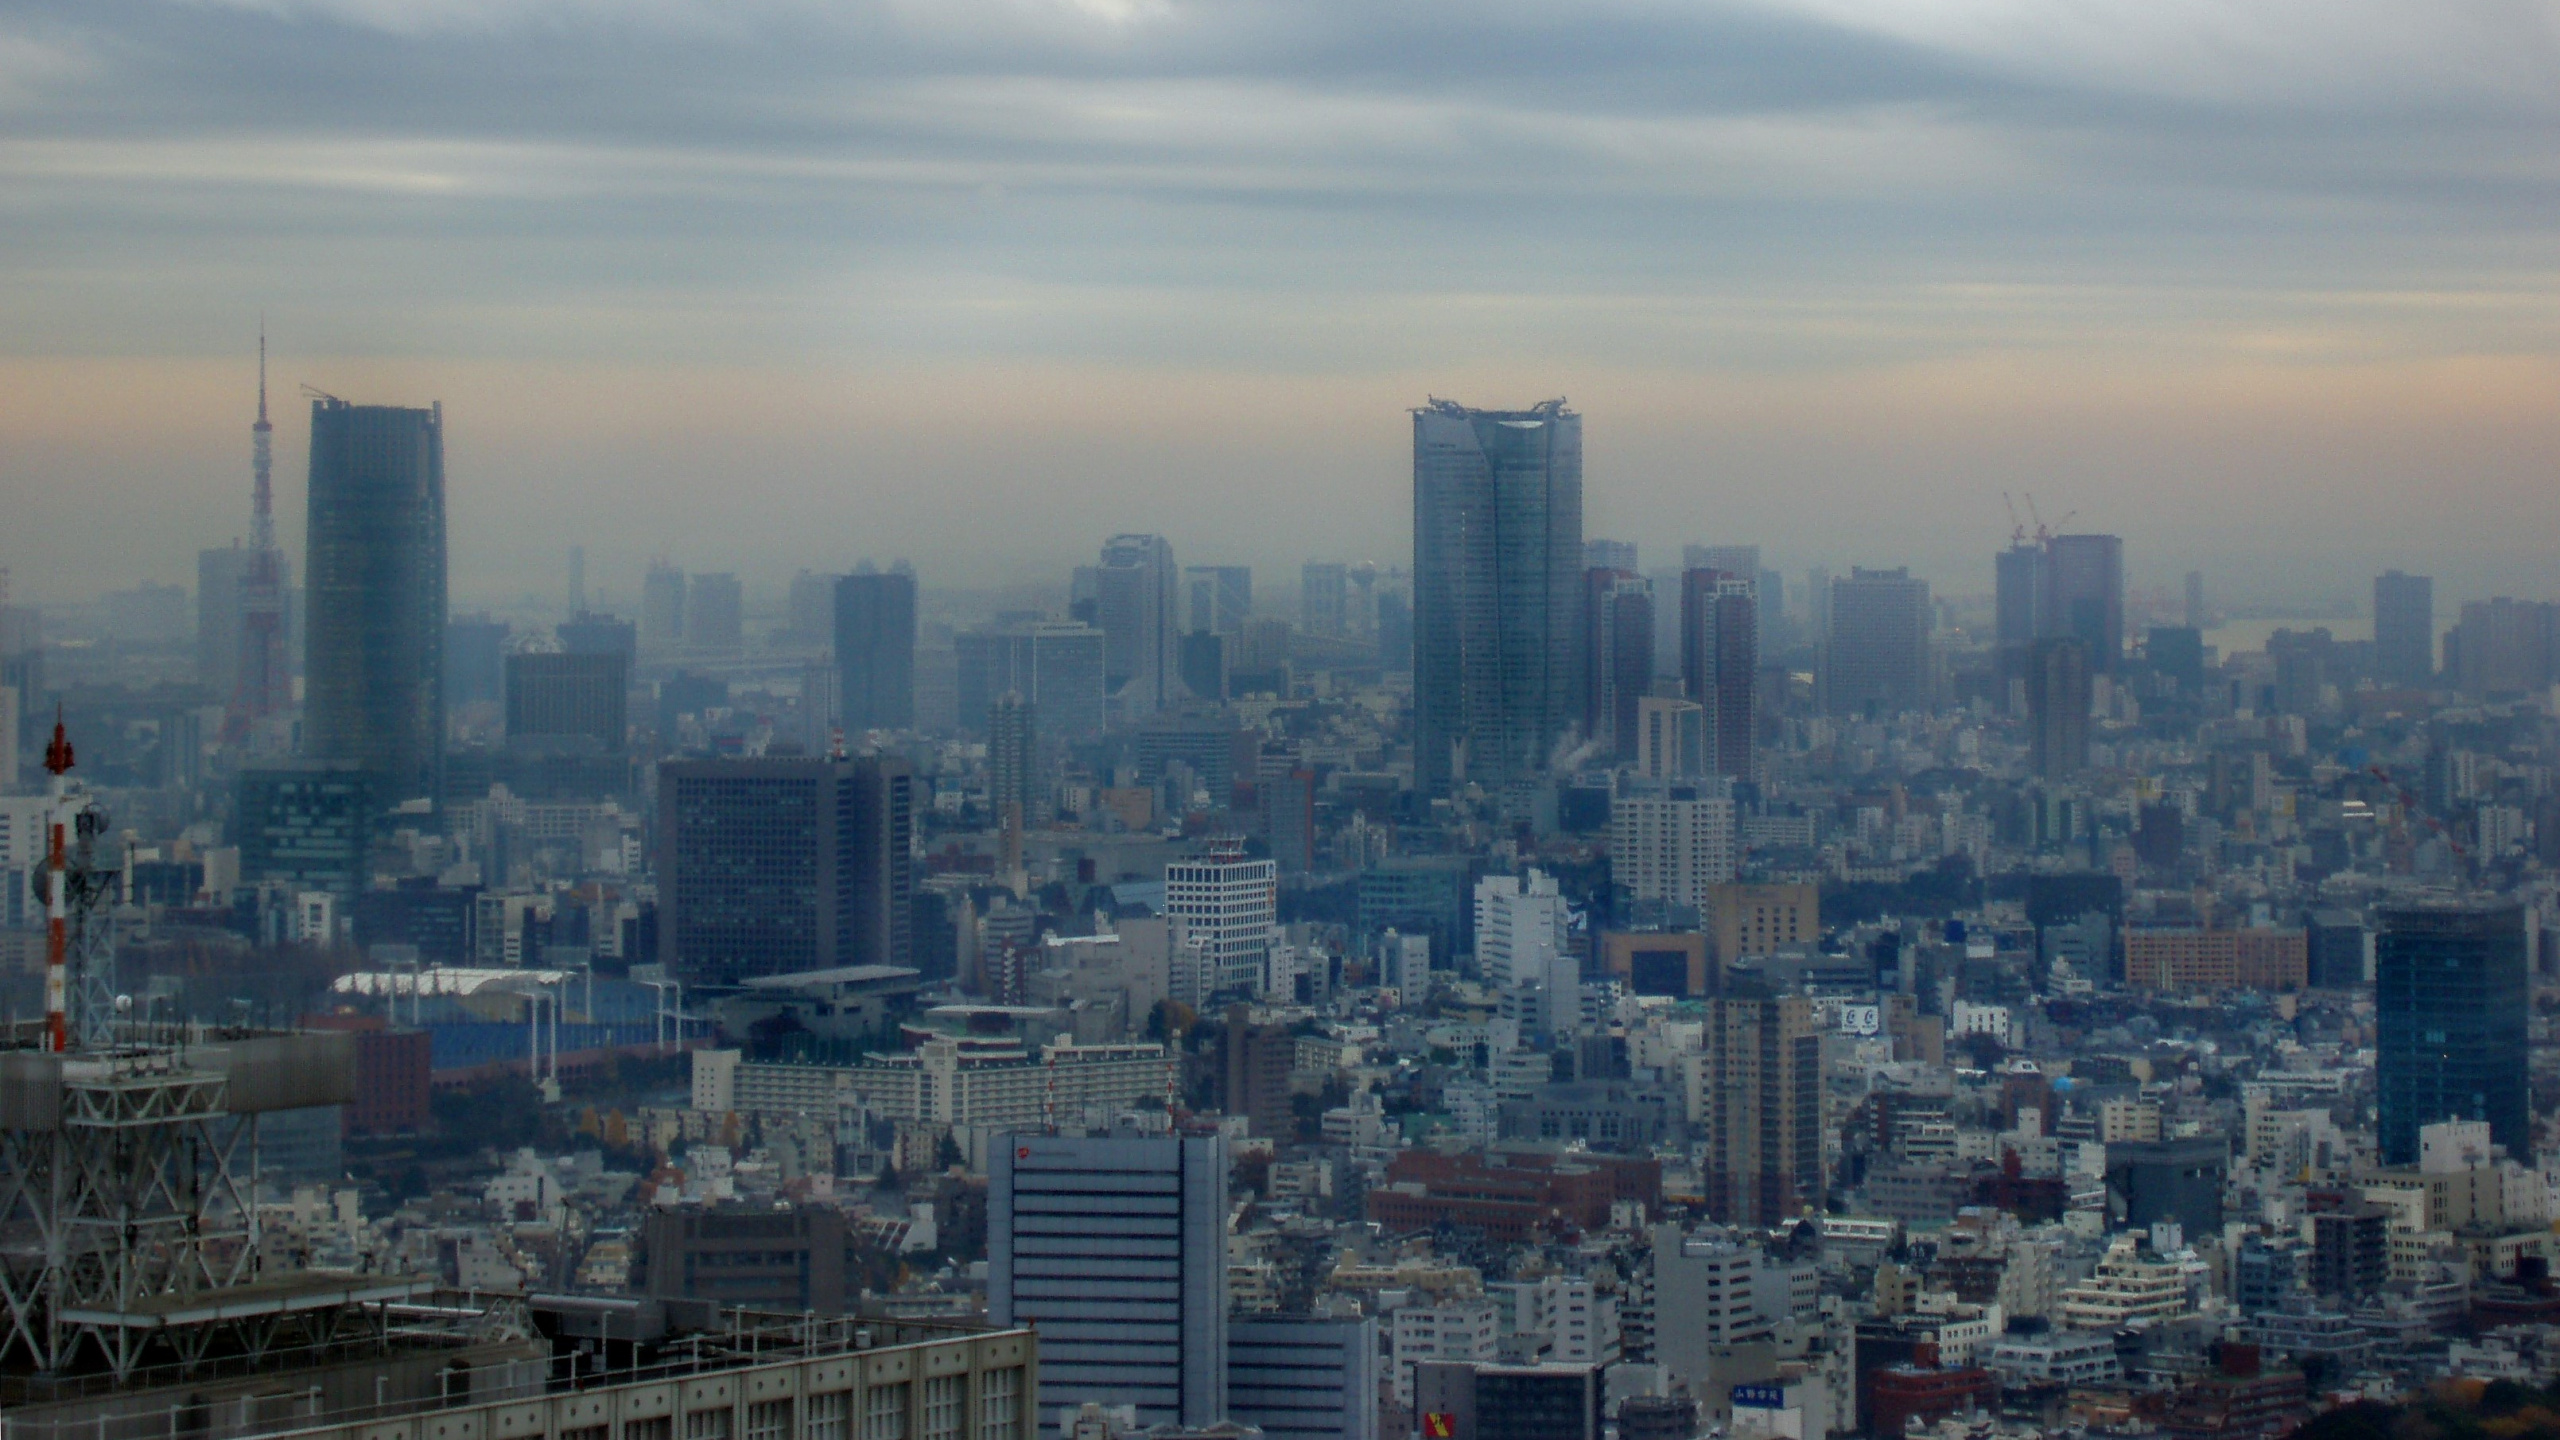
1056,665
662,607
771,866
559,694
1671,739
2195,600
1720,662
1817,601
2404,629
715,614
1231,906
1497,590
1609,555
376,573
875,629
2084,595
1324,598
218,575
577,581
1134,607
1618,607
263,682
2058,694
1013,760
475,661
2017,606
1671,844
2451,1001
1876,656
809,608
1760,1089
1219,598
1115,1250
588,633
1204,665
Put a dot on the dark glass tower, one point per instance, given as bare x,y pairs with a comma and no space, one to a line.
876,650
2451,997
1720,660
376,577
2404,629
1497,590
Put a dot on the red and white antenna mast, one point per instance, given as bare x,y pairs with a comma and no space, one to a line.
265,685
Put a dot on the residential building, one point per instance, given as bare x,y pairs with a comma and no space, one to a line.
1756,1093
1720,661
1618,613
1674,844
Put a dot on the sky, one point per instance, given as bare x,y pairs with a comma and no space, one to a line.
2269,289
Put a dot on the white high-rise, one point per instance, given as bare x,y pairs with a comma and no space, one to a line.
1228,906
1524,950
1671,844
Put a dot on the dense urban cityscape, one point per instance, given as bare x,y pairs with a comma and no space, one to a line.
1537,985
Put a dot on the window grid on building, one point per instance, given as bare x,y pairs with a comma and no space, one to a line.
825,1419
946,1407
656,1427
884,1415
1000,1405
707,1424
768,1420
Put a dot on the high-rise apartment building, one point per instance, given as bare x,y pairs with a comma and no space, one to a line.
1618,609
875,630
771,866
715,614
1497,590
2451,1002
1671,844
1229,905
1876,655
662,607
1672,739
1057,666
2058,698
1219,597
1013,761
2084,596
1114,1249
1720,661
375,563
2404,629
1760,1103
560,694
1134,605
1324,598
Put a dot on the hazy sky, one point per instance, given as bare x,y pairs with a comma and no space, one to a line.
2266,286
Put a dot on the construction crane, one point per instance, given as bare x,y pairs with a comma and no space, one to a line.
2044,532
2017,527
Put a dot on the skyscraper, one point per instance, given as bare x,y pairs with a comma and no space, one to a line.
1056,665
1876,655
1760,1089
770,866
1720,662
1618,607
662,607
218,574
2195,600
1115,1250
2018,598
376,571
1013,760
1497,590
1671,843
1134,604
875,629
2084,596
1220,597
1230,906
2404,629
1324,598
2058,695
2451,1002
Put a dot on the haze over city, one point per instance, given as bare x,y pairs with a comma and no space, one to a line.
778,285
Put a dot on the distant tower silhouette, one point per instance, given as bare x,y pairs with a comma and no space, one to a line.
266,683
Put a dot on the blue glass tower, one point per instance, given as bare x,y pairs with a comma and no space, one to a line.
2451,998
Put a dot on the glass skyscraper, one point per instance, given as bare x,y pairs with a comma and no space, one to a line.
376,574
876,650
1497,590
2451,999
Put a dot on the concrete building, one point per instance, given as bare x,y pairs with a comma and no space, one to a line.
1674,845
1229,905
770,866
1303,1379
560,694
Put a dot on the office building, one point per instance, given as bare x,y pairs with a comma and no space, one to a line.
715,614
589,633
1522,929
1219,598
1204,665
1618,611
1720,661
221,607
771,866
2149,1181
1324,599
1497,590
1757,1095
1464,1401
2404,630
560,694
1609,555
662,607
1055,665
1114,1251
1749,920
2084,596
1671,739
2451,1001
809,608
1671,844
875,630
1428,895
1875,657
792,1260
1303,1379
1229,906
2058,700
2017,604
307,824
376,566
1256,1060
1134,606
475,661
2176,653
2503,647
1014,789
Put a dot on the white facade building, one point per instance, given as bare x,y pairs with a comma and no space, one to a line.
1671,845
1229,906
